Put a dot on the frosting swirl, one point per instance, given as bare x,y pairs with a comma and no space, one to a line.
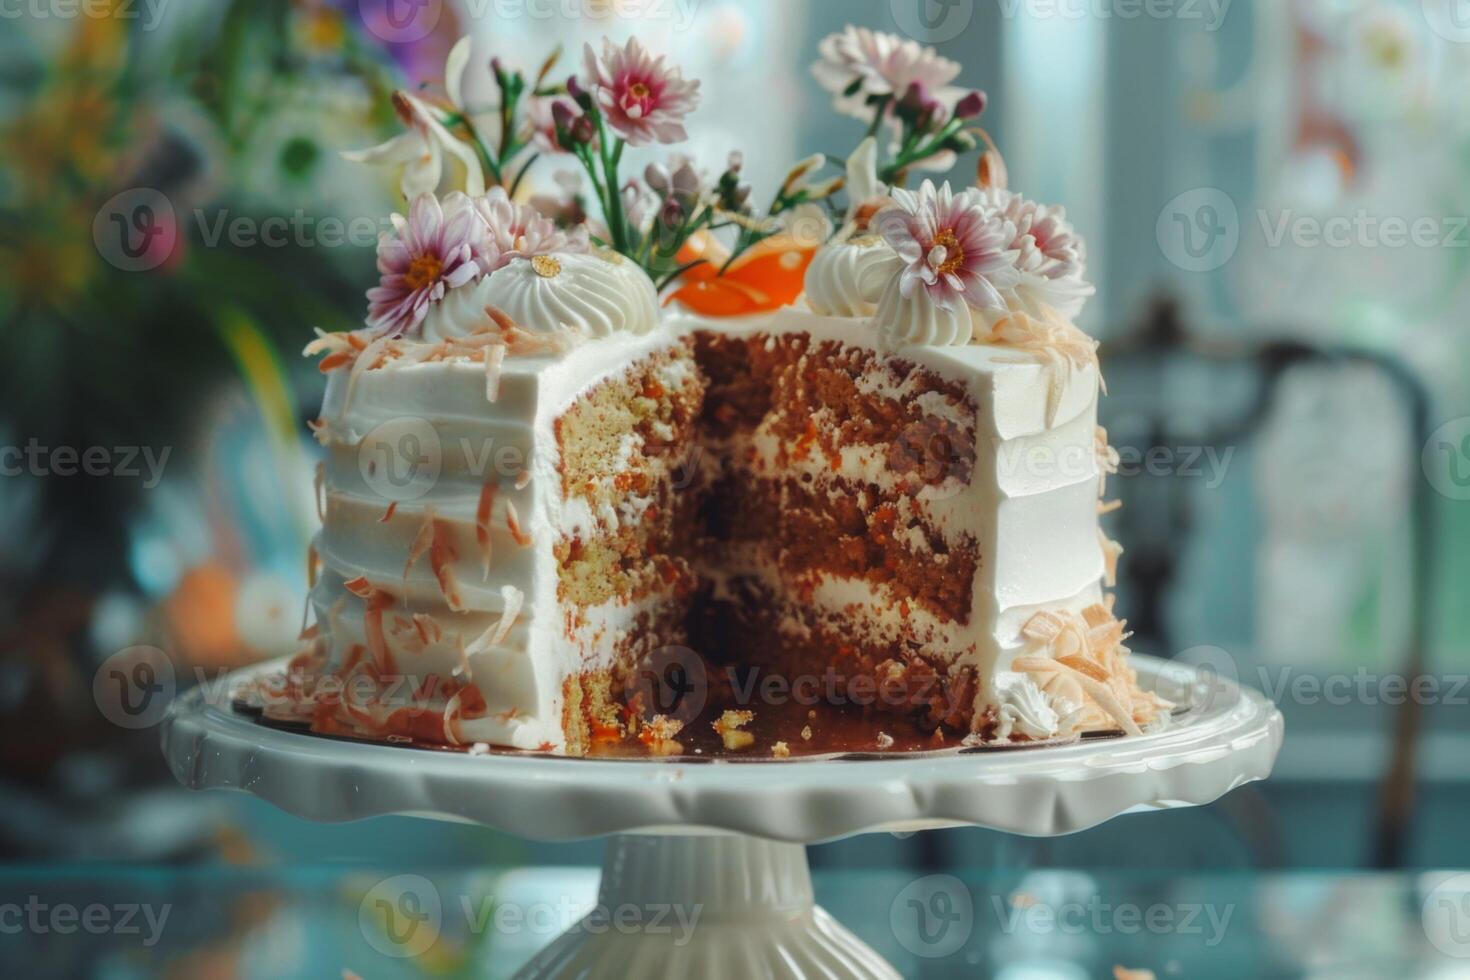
597,294
847,278
918,319
1022,709
459,313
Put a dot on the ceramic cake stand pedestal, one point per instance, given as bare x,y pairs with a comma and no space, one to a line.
727,838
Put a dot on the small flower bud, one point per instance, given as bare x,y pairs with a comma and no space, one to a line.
582,97
970,106
583,131
563,115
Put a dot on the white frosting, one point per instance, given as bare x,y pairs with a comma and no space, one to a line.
917,319
847,278
596,294
1029,505
460,313
1022,709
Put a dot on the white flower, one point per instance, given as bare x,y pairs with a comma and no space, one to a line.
863,186
420,150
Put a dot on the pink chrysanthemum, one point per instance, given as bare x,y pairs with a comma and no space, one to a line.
883,64
641,97
436,249
954,246
1051,255
520,231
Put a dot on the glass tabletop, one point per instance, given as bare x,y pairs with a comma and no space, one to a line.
1040,925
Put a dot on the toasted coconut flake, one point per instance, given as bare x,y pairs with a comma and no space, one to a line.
513,599
320,431
502,320
318,490
482,523
451,719
1082,662
332,362
441,559
359,587
1111,551
513,524
523,478
327,343
422,541
494,363
388,514
364,361
372,623
421,626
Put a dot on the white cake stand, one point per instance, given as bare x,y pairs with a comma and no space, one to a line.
726,837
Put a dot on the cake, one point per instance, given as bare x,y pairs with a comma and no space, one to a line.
545,486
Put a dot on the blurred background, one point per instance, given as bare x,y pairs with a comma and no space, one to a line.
1274,193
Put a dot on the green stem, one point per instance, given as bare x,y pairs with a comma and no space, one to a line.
679,272
515,184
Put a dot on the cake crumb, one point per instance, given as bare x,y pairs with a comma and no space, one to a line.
1124,973
781,750
658,734
806,733
812,713
728,728
885,740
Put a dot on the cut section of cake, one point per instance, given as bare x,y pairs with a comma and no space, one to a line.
521,516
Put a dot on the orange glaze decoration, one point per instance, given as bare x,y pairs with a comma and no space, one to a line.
770,275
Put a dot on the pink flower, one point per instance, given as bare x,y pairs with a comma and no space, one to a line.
953,245
642,99
1051,255
879,64
434,250
520,231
